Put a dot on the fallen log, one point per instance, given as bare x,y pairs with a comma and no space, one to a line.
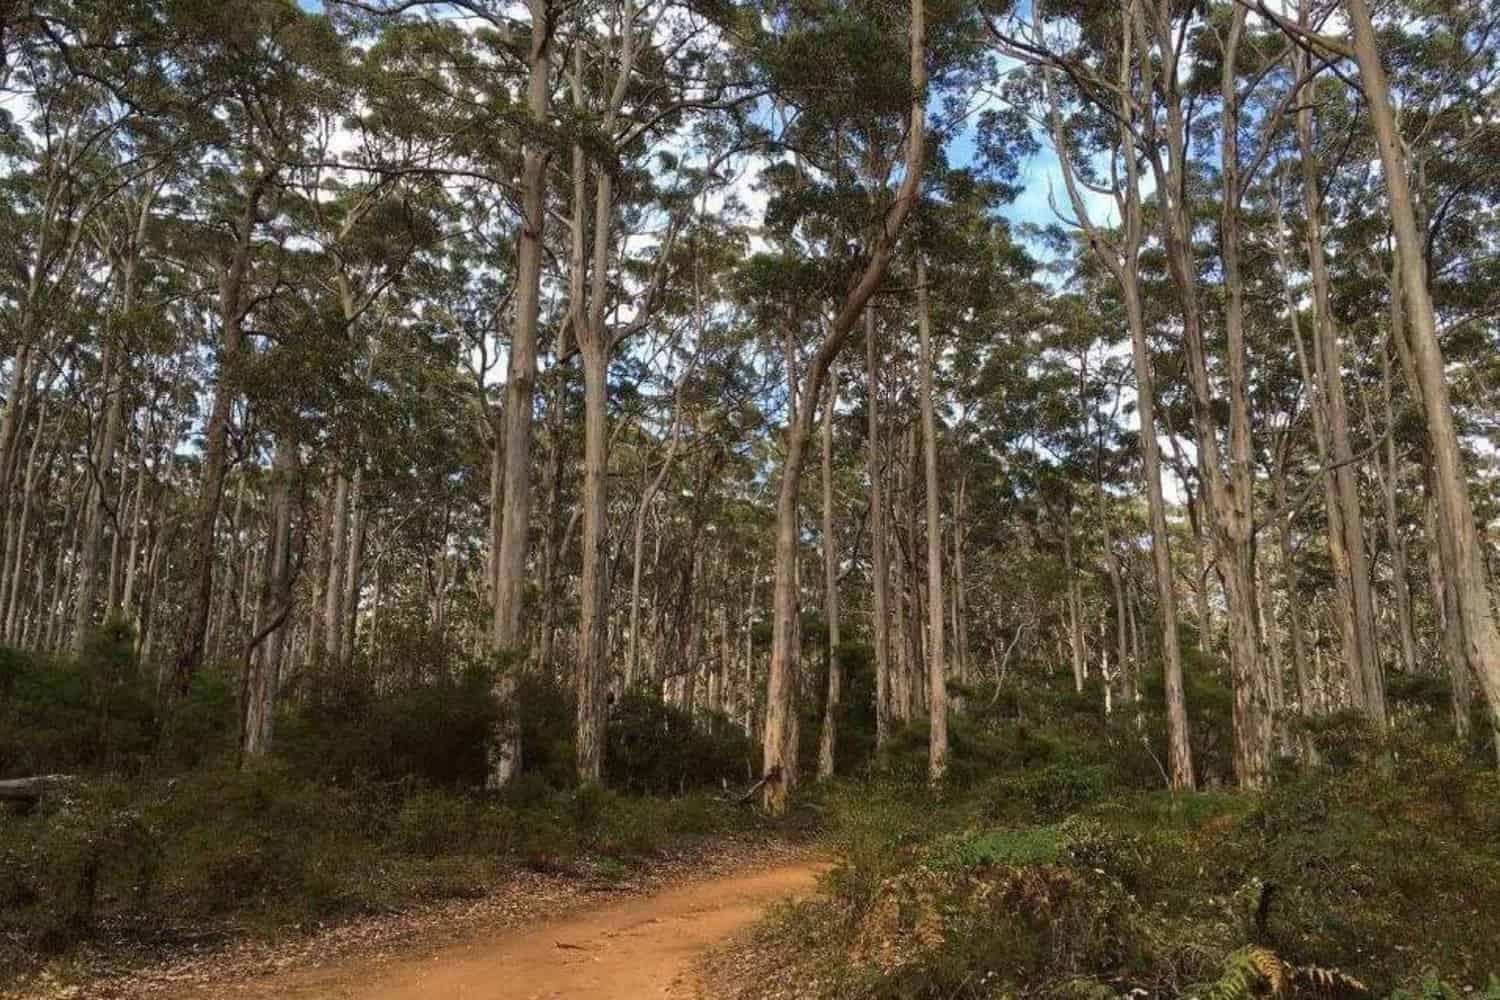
30,789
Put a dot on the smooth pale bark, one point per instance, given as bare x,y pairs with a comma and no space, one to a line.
1466,568
1073,603
313,647
916,635
674,436
1233,495
1179,746
590,680
828,737
1346,516
960,590
232,303
333,585
354,570
779,754
101,466
18,394
1271,631
880,628
11,600
138,526
1450,627
594,348
1311,363
1390,482
1439,542
219,635
1123,261
1289,585
937,673
62,576
495,425
128,266
261,678
750,618
901,645
597,343
1228,497
510,565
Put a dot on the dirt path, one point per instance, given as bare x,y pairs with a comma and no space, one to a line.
642,947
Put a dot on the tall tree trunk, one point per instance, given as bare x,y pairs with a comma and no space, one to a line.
828,738
960,590
510,569
11,599
1451,630
354,569
232,282
674,436
779,757
1390,482
263,670
101,466
1228,501
1233,495
1455,512
1288,553
333,585
1124,263
880,626
1346,517
590,680
937,674
1073,604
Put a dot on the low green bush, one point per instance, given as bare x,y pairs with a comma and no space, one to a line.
100,712
660,749
437,731
1378,865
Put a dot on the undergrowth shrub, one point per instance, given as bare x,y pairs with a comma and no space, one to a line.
99,711
1379,865
661,749
437,731
81,850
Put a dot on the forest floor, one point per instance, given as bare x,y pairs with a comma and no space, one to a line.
539,935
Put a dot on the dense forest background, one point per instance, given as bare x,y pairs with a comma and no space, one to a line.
409,399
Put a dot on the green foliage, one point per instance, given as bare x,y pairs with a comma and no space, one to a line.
658,748
267,847
99,711
1109,882
437,731
369,798
1433,988
1030,845
548,754
59,863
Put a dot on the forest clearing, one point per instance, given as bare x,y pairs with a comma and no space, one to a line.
750,498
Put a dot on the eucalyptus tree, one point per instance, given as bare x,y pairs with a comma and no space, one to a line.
866,40
645,80
260,72
1106,126
75,151
1458,542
